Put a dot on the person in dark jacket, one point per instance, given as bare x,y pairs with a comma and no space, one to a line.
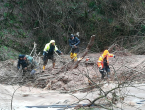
27,63
22,62
48,53
74,42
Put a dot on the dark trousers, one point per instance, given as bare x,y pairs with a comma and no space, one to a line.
46,57
104,70
75,50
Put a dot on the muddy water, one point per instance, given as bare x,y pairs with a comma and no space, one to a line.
27,98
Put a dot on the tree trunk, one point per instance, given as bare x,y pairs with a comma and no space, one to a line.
85,53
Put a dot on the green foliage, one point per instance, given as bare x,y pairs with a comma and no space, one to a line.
20,33
21,15
59,2
36,23
5,48
21,3
5,14
110,20
92,4
115,5
1,34
65,39
131,20
8,5
11,21
7,53
103,18
5,31
143,28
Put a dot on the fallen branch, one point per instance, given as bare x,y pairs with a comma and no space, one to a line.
85,53
79,59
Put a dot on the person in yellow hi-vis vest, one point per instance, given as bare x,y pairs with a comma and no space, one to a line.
48,53
74,42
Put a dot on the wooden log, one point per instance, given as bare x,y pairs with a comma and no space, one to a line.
79,59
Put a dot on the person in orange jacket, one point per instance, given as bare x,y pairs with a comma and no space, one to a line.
103,63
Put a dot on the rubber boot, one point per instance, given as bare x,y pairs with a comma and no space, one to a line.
43,67
53,65
71,55
102,76
75,56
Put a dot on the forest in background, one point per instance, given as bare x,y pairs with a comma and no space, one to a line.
24,22
112,22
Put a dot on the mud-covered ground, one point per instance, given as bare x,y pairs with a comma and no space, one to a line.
69,86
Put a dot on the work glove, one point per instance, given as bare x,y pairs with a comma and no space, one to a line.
114,56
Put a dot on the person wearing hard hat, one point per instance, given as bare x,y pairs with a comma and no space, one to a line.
48,53
103,63
74,42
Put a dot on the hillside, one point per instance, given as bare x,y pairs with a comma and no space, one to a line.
117,25
24,22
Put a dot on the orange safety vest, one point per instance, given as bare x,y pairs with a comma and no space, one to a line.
101,58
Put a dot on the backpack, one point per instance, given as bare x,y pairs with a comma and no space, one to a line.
29,58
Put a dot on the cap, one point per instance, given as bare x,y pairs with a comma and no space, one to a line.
52,41
71,35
